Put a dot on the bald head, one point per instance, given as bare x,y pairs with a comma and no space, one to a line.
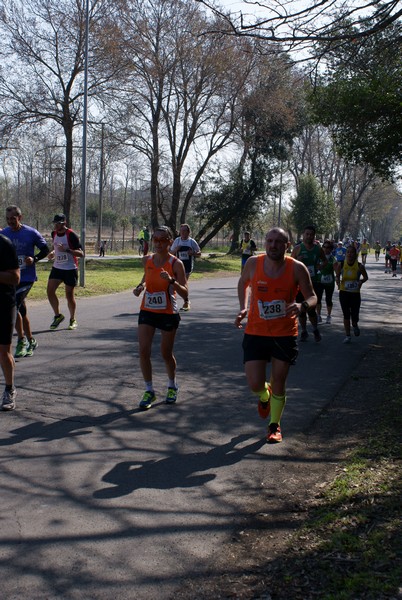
276,244
278,231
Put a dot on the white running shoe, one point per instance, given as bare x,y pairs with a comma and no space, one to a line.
347,339
329,320
8,400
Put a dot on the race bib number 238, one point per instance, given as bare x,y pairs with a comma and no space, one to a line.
272,310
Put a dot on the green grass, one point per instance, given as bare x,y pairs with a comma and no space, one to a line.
353,536
117,275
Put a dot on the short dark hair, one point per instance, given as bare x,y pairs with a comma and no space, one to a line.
310,228
15,209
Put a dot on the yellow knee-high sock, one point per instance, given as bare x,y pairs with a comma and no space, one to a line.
277,407
265,394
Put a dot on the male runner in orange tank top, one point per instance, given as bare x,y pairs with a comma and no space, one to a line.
267,291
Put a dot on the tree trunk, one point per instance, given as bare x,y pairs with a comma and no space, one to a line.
68,177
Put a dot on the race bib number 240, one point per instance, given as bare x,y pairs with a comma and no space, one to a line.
155,301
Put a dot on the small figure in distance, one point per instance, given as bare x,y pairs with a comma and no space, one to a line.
340,253
364,250
328,279
377,250
387,248
102,248
394,256
146,238
248,248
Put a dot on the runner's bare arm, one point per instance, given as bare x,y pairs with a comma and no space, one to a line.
243,289
141,286
296,251
10,277
363,274
179,281
306,287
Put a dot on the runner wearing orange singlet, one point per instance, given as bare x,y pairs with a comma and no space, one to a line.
164,276
269,284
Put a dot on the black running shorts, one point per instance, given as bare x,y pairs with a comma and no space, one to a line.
7,322
67,276
261,347
162,321
21,293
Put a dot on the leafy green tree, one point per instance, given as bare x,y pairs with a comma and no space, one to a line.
313,205
272,115
238,200
183,103
92,212
360,100
110,218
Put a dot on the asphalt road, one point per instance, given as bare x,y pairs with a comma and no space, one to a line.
100,500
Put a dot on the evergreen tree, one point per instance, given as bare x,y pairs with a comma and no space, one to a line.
313,204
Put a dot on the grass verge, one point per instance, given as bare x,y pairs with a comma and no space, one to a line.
117,275
351,545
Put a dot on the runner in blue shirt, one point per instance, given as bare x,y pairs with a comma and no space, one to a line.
340,253
25,239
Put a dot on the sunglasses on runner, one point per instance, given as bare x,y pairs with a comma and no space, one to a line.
160,239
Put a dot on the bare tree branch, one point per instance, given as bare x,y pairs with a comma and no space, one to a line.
284,23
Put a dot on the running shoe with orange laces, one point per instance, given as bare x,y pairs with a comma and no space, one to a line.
274,435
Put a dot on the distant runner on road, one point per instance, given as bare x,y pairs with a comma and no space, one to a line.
312,255
394,255
270,283
328,280
364,250
187,249
248,248
350,279
377,250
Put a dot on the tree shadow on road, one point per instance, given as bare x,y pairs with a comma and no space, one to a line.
64,428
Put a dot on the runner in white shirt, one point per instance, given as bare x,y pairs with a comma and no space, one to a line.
187,249
66,251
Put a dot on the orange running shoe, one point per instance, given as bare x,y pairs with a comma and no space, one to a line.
264,408
274,435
